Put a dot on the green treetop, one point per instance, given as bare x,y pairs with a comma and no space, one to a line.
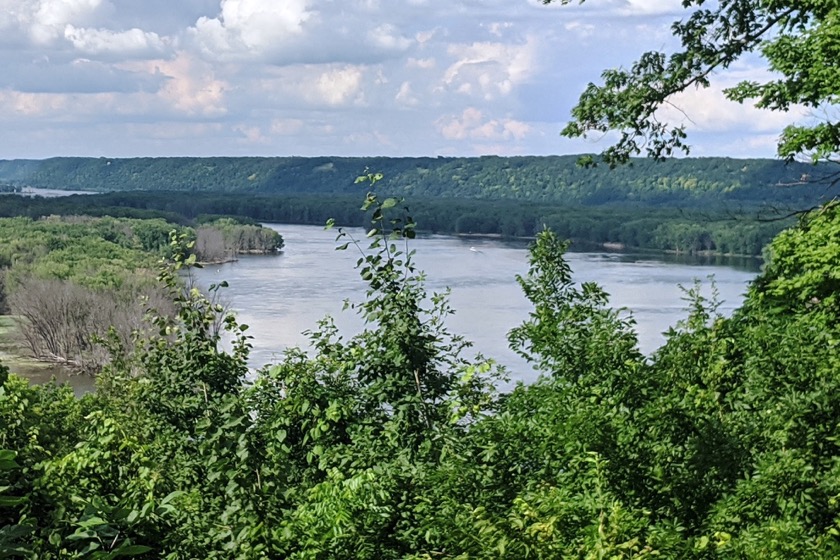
799,39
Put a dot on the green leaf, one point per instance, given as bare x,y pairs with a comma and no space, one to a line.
10,501
7,455
131,550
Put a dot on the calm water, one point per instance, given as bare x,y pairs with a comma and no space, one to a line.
281,296
48,193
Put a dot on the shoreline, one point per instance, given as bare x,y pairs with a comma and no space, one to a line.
15,356
579,245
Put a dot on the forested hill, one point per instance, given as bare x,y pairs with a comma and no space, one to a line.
556,179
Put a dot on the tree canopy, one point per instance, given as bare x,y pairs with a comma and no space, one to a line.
798,39
528,178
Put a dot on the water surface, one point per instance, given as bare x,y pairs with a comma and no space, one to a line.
281,296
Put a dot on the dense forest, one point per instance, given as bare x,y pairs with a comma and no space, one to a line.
395,444
554,179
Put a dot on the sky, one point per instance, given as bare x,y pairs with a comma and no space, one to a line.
125,78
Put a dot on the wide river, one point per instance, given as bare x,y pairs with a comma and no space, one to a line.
281,296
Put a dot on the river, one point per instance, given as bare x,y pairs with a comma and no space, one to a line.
48,193
280,296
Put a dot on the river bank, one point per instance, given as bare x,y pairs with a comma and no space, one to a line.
16,356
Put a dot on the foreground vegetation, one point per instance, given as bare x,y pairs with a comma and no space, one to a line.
394,444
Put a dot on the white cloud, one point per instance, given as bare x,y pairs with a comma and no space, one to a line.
286,127
79,75
489,69
421,63
708,110
579,28
251,27
405,96
425,36
192,87
59,12
387,37
298,32
296,76
190,132
251,134
472,124
368,138
43,21
339,86
15,104
134,42
644,8
498,28
69,108
737,145
653,7
458,128
305,87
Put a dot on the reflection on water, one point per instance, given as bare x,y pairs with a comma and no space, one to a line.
47,193
41,374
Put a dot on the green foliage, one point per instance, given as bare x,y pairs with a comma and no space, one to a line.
722,445
70,279
11,533
180,384
717,228
247,238
551,179
798,39
363,423
39,422
97,253
571,330
802,272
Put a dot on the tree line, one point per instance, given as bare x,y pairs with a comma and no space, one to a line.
545,179
691,205
719,230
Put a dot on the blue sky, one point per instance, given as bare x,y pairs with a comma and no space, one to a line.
124,78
